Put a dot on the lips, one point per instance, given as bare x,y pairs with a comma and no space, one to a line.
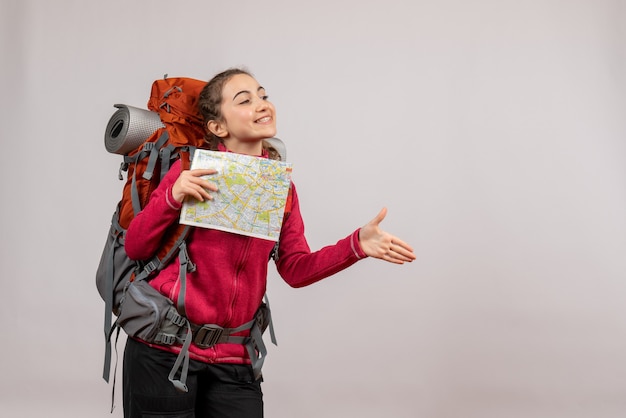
264,119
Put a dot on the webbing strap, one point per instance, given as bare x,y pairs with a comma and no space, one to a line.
203,336
153,149
166,156
134,195
115,231
270,320
208,335
117,336
147,269
182,362
154,155
256,350
186,266
157,263
192,151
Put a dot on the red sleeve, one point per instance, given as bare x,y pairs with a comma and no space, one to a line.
147,228
298,266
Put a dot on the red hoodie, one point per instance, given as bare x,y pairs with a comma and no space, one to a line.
230,280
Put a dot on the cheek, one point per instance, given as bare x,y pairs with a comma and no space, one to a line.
244,115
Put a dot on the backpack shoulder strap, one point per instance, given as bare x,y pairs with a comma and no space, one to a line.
152,149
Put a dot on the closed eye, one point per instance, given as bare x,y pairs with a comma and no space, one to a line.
246,101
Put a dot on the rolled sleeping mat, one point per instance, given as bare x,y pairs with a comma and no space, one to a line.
279,146
129,127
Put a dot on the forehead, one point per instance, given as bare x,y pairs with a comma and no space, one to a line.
239,83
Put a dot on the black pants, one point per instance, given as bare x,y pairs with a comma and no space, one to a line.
215,390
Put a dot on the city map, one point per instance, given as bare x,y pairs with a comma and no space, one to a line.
251,196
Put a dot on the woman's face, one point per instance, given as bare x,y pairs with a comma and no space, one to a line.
247,115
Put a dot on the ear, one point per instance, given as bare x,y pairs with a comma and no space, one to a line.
217,128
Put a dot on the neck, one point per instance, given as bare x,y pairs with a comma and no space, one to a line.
248,148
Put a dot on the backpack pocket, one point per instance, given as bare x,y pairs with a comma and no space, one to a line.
115,269
144,311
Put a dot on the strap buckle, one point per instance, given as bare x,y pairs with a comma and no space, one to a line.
207,335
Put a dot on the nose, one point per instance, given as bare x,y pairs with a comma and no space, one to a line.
262,104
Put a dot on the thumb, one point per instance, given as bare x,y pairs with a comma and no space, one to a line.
379,218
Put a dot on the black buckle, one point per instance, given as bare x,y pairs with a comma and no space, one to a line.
207,335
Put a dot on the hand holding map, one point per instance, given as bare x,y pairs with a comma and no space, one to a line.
250,198
194,183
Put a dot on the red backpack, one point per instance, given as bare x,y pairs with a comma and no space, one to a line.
150,142
175,100
149,146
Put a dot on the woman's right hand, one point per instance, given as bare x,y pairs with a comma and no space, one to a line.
191,183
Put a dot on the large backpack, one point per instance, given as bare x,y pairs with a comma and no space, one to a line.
150,142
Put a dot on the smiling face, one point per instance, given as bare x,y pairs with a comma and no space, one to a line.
247,117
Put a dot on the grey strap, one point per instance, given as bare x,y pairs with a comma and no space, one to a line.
186,266
271,321
256,350
116,233
153,149
182,362
155,152
166,159
117,336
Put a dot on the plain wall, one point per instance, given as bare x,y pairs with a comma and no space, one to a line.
493,131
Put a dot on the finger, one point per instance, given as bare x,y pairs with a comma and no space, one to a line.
403,254
205,184
196,182
402,258
198,189
202,172
204,193
389,257
379,218
401,246
196,192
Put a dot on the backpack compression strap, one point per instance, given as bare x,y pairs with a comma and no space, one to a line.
168,155
186,266
116,232
152,150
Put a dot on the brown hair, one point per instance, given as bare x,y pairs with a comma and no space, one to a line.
210,106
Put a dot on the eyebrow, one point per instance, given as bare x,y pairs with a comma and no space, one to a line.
247,91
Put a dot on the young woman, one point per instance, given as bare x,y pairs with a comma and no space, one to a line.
229,282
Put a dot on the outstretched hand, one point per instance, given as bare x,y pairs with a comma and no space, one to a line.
380,244
191,183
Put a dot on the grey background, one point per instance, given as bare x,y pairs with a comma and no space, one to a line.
494,132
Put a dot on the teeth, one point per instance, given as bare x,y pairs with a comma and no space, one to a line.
263,120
